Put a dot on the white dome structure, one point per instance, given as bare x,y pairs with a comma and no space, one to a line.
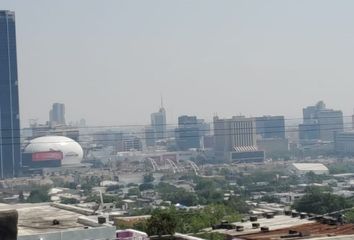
72,151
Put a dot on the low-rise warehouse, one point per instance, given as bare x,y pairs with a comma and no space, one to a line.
303,168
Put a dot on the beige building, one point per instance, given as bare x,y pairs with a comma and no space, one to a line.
234,132
235,138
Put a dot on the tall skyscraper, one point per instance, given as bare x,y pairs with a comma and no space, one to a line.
158,123
270,127
236,132
320,123
149,137
235,139
57,114
10,151
331,122
188,132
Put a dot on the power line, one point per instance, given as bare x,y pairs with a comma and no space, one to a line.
146,138
186,130
182,125
176,124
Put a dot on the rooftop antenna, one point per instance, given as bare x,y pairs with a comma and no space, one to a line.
161,99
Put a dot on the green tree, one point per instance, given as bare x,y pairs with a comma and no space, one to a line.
176,195
133,191
38,195
113,188
318,201
195,221
311,177
140,225
149,178
209,190
71,185
106,198
270,199
211,236
132,185
89,182
69,201
349,216
237,204
162,222
146,186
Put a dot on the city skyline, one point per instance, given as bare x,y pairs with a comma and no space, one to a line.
236,68
178,119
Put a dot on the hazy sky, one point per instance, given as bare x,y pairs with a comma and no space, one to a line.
109,60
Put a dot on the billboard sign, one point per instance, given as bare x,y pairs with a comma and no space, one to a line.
45,156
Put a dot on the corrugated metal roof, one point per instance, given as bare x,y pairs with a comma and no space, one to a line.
310,166
245,149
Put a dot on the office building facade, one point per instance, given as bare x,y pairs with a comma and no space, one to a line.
235,139
57,114
131,143
330,122
309,131
149,137
344,143
10,153
188,133
270,127
234,132
158,123
320,123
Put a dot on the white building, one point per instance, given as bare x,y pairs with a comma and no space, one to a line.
303,168
72,151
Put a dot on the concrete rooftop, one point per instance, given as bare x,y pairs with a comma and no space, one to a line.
38,218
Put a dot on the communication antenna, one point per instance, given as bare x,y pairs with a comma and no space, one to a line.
161,100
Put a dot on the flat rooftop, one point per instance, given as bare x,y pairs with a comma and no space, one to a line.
315,231
36,218
278,222
310,166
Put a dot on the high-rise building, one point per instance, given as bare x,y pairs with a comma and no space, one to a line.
109,138
320,123
158,123
310,113
57,114
235,139
309,132
234,132
270,127
188,132
131,143
204,127
331,122
10,152
149,137
344,143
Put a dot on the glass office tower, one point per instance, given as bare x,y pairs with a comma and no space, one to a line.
10,151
